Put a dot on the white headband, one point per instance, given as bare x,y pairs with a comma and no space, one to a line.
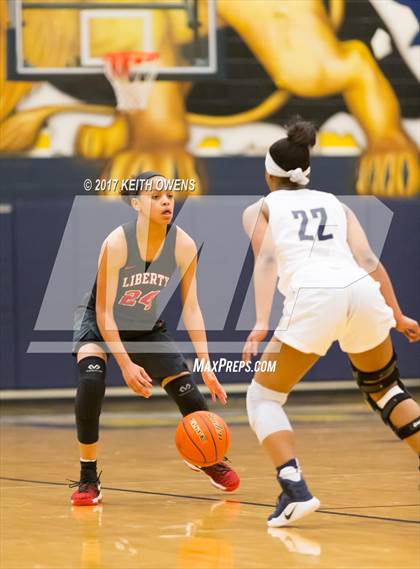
297,175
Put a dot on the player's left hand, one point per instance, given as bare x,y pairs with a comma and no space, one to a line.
257,335
214,386
409,327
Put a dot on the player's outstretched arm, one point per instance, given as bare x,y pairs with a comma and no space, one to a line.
255,222
111,259
186,258
367,259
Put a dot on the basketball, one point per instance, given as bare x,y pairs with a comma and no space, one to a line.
202,438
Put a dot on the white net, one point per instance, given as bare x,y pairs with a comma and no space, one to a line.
131,75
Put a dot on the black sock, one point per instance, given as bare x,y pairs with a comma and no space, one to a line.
88,470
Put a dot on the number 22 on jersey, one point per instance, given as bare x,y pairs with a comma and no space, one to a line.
318,212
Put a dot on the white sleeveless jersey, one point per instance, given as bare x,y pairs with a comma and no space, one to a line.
309,229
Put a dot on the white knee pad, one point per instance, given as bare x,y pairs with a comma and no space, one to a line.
265,410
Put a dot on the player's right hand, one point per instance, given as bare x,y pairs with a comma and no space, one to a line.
257,335
214,387
409,327
137,379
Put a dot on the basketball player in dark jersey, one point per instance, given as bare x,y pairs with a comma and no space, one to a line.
136,262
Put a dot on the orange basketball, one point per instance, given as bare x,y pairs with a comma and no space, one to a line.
202,438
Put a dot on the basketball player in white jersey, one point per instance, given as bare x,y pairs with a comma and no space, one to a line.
335,289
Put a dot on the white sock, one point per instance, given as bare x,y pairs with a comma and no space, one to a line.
290,472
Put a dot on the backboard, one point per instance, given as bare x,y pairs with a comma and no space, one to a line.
53,38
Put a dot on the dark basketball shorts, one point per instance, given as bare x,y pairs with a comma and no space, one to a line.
163,360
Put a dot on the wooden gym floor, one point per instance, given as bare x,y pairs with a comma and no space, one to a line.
157,514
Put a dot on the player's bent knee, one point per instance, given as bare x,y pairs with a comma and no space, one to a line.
186,395
89,397
386,379
375,381
90,350
265,411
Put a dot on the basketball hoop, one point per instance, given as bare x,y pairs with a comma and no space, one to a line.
131,74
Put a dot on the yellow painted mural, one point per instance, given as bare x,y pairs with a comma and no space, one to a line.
295,42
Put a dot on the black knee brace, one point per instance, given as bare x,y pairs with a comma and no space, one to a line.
186,395
375,381
90,394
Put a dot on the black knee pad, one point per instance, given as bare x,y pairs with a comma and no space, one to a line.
375,381
186,395
90,394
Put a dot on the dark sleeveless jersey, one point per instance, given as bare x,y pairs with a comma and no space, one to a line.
139,284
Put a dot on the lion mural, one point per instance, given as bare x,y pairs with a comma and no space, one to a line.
295,42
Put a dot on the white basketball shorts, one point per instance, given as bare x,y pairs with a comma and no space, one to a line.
356,315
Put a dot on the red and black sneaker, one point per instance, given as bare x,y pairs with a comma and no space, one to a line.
221,475
88,492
